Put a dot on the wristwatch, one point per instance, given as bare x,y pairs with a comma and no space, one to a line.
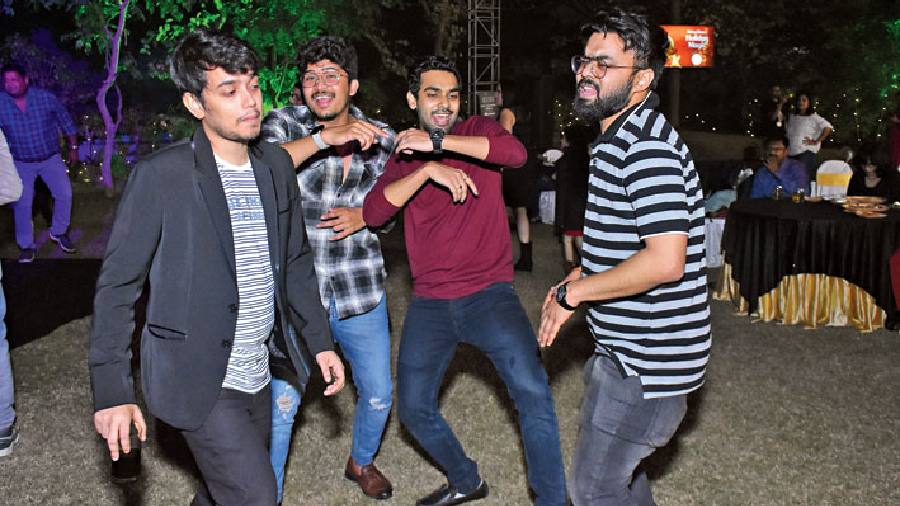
437,140
317,137
561,298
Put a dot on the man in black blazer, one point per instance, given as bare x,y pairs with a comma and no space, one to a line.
216,224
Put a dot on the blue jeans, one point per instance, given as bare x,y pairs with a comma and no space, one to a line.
53,172
366,344
618,429
493,321
7,414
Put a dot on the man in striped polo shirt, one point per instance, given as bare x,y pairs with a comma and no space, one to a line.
643,274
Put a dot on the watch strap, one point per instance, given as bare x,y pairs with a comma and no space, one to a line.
561,298
437,141
317,139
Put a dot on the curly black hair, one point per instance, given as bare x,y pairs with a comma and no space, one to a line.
414,78
639,33
331,48
204,50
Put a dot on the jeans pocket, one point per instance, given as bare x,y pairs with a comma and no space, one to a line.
618,401
665,421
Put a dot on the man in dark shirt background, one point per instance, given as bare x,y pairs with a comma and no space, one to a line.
31,119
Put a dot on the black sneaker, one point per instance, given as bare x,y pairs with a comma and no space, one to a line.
64,242
449,496
26,256
8,438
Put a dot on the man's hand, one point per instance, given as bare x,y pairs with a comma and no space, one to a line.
344,221
809,141
357,130
413,139
455,180
332,370
552,314
114,423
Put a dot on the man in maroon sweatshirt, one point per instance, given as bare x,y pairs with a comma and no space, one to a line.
445,177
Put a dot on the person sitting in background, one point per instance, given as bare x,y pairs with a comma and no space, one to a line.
873,176
778,170
806,131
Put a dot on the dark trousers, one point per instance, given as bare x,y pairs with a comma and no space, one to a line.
618,429
231,451
810,161
494,321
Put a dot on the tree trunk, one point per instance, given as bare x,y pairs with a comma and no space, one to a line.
112,71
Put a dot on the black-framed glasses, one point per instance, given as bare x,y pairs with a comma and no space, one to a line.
329,77
580,63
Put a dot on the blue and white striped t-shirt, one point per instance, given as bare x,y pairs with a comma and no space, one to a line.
248,365
642,183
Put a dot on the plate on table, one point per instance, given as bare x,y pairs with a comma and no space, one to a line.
867,200
865,206
814,199
870,214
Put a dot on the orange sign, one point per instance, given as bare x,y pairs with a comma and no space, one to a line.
690,46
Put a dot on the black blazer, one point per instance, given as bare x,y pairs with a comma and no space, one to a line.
173,224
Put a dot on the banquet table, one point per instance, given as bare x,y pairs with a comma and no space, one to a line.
810,263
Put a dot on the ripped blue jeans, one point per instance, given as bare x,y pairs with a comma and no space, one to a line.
365,343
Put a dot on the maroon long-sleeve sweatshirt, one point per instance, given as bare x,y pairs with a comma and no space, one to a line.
455,249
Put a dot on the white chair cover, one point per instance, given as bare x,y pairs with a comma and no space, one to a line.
832,178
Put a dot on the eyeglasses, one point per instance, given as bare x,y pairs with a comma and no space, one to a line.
580,63
329,77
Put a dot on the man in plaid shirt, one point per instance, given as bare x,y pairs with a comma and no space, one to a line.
32,119
340,154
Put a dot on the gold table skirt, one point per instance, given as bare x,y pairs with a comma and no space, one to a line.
813,300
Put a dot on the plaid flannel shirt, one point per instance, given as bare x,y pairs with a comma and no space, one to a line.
33,135
350,270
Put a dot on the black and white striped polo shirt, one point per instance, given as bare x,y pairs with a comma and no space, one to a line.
643,183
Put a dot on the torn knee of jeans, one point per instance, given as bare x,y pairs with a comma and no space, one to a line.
285,403
379,404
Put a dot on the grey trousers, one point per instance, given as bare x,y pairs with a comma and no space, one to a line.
619,428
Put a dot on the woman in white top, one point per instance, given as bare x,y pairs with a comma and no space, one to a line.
805,131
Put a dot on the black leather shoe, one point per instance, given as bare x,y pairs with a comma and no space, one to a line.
448,496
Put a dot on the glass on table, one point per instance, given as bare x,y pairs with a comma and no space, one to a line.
798,195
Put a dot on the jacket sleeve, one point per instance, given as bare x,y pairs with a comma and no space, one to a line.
302,284
129,252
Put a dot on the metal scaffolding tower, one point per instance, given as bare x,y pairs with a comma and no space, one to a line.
484,56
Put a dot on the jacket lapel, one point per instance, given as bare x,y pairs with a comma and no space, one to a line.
210,186
265,182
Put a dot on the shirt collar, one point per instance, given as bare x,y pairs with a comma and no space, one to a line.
651,101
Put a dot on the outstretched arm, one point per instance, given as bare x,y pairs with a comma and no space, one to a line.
493,144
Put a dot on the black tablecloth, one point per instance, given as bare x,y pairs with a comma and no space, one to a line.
766,240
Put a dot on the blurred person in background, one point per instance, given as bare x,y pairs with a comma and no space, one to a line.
32,119
519,185
873,175
10,191
806,131
572,181
778,170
